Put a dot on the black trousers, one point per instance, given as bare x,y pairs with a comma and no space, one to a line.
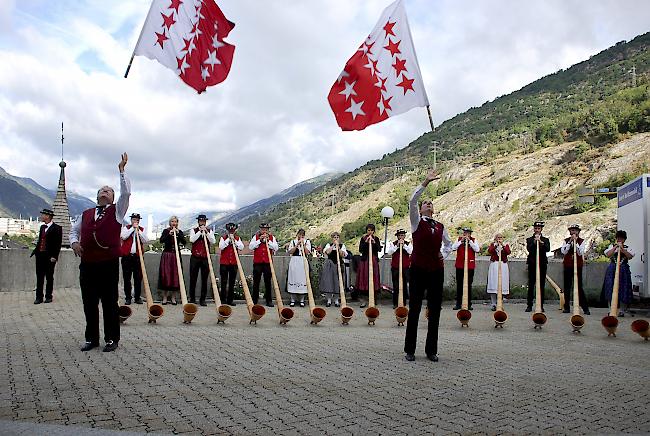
44,275
405,281
531,282
568,289
198,264
131,269
429,282
260,269
99,281
459,285
228,275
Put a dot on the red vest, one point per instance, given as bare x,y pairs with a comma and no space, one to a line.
198,246
426,246
100,240
492,250
568,257
460,256
260,254
406,260
128,242
228,253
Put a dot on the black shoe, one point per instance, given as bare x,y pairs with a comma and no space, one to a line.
566,311
456,307
202,303
528,309
269,304
192,300
127,301
409,357
586,311
38,301
48,300
337,305
362,305
394,306
328,304
164,303
432,357
110,346
87,346
292,304
231,303
302,304
471,308
138,301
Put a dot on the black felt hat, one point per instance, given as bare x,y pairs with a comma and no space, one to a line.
201,217
47,211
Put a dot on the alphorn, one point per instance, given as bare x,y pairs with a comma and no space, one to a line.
284,313
464,315
317,313
642,327
255,311
610,322
123,311
189,309
577,321
560,292
372,313
223,310
500,316
346,311
401,312
155,310
539,318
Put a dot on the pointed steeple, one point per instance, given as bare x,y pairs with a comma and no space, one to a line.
60,208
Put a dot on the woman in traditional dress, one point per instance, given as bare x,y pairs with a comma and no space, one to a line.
329,276
362,270
624,276
496,250
168,278
299,248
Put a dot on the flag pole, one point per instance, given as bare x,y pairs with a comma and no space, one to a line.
435,148
128,68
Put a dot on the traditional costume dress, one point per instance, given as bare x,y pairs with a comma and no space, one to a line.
47,249
393,249
567,262
493,272
474,248
168,278
262,266
329,276
296,279
131,269
363,267
228,265
624,276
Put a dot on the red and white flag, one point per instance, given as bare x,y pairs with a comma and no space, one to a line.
187,36
382,78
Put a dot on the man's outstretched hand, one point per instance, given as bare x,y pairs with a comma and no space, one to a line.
122,164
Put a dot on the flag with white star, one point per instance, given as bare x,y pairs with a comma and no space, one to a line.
382,78
187,36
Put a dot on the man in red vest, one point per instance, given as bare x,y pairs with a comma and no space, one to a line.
48,247
131,268
567,262
460,265
228,262
261,262
199,258
431,244
393,249
95,237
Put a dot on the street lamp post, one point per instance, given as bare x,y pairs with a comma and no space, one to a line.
387,212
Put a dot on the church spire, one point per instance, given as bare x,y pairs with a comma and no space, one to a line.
60,208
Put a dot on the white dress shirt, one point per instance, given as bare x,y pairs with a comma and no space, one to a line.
126,232
273,243
225,241
194,236
414,217
581,247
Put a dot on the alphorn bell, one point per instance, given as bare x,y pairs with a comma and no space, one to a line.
317,313
372,313
255,311
123,311
189,309
346,311
500,316
610,322
401,312
464,315
155,310
539,318
223,310
577,321
284,313
560,292
642,327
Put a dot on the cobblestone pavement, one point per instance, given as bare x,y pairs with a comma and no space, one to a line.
205,378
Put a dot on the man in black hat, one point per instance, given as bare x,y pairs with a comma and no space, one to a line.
228,243
199,258
131,259
48,246
574,240
393,249
544,247
261,261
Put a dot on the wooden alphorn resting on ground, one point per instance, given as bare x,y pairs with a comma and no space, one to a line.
372,313
577,321
500,316
255,311
401,312
155,310
189,309
223,310
642,327
284,313
539,318
316,313
559,291
464,315
610,322
346,311
123,311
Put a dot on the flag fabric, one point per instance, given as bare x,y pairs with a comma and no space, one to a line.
187,36
382,79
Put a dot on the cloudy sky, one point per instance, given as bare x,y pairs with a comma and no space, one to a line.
268,125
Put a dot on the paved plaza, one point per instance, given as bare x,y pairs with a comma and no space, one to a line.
205,378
